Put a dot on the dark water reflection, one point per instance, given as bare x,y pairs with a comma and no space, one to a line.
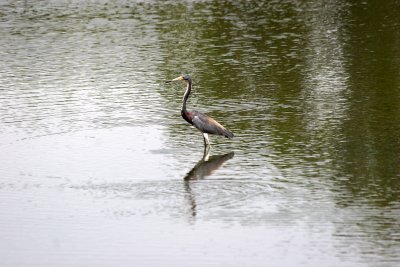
94,151
207,165
204,168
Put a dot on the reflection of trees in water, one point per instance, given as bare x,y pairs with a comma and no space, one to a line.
367,155
320,77
205,167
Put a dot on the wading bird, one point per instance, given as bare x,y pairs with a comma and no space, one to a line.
201,121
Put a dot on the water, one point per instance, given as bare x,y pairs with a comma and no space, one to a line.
99,169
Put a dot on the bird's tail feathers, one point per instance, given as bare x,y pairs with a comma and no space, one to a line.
228,134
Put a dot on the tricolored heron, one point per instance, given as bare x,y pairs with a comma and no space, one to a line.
201,121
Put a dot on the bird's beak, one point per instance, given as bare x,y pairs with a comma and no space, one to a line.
180,78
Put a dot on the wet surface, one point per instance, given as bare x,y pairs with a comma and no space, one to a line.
99,169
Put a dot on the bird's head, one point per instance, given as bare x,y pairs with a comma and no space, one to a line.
182,77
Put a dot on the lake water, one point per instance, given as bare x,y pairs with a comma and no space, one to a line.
99,169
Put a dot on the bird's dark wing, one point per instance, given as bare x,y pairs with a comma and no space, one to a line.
207,124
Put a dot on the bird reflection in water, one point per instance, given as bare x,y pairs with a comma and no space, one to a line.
205,167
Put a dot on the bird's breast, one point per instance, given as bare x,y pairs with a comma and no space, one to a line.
187,115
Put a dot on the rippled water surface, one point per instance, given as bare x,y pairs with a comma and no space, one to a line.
99,169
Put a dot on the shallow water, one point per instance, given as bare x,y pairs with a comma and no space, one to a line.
99,169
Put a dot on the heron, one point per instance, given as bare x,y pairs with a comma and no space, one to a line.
201,121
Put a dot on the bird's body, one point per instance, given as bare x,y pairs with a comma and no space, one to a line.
201,121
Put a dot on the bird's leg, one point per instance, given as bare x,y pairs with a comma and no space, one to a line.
206,153
206,139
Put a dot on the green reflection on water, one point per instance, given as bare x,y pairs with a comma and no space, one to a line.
317,83
311,90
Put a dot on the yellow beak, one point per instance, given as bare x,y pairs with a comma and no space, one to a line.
180,78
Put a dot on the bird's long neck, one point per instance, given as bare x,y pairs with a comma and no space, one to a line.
186,95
